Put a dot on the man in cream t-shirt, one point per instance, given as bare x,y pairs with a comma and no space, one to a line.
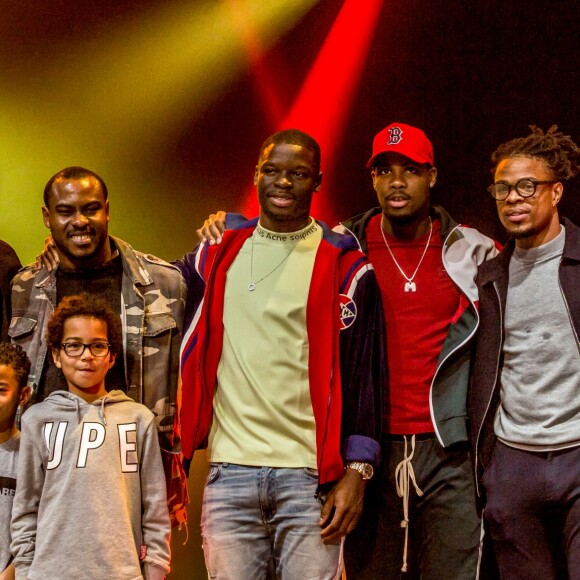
274,316
282,367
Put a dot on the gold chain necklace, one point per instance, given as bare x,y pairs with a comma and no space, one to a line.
410,286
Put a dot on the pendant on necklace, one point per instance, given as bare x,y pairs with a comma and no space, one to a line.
251,286
410,286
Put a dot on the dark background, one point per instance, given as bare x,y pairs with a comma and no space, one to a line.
471,74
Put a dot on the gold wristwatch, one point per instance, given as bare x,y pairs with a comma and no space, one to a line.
365,469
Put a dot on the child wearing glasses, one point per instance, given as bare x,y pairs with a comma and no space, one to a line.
91,499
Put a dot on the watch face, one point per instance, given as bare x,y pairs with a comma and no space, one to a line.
368,471
365,469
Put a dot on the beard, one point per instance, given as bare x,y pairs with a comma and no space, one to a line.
404,219
521,232
83,258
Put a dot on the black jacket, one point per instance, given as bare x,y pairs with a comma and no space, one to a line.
492,281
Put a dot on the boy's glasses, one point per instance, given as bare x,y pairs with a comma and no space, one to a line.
78,348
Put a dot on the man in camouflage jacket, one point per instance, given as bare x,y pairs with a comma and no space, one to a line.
152,301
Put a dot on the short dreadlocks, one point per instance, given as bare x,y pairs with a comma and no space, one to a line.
558,151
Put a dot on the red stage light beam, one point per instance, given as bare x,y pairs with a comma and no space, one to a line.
327,94
265,89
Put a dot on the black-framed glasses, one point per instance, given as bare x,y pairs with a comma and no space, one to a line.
525,187
76,349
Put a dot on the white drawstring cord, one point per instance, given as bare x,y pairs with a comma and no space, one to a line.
403,474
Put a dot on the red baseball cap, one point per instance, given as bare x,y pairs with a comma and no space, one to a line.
405,140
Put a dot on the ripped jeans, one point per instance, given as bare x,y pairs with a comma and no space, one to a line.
258,518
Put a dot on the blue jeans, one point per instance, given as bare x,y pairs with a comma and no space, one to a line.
256,517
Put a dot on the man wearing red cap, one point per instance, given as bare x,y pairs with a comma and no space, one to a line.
420,515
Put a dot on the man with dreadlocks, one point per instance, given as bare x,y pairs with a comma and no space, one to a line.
525,392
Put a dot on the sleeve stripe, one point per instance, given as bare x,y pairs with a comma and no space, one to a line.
349,286
186,347
200,260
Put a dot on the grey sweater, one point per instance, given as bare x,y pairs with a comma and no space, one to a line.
91,499
8,468
540,376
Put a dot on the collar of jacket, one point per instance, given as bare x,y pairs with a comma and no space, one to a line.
358,224
572,242
132,267
498,268
236,221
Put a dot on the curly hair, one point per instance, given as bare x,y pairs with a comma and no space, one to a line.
13,356
86,306
558,151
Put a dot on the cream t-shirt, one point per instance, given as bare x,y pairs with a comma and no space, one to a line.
262,408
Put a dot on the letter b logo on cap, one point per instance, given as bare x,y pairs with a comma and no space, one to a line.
395,135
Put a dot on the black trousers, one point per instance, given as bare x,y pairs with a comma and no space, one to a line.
444,529
533,512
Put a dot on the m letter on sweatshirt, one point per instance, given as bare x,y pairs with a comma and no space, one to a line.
56,452
92,437
128,447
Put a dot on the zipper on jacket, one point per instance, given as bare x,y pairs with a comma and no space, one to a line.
465,341
476,458
42,352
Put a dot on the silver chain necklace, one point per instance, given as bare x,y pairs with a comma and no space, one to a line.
410,286
252,285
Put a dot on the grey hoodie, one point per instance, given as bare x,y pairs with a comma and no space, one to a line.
91,499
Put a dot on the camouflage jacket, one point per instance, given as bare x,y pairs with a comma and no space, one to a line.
152,304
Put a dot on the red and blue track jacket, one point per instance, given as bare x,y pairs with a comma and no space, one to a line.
346,346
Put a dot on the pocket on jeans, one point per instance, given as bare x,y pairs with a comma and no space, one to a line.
213,473
311,473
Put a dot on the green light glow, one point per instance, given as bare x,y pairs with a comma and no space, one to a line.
101,101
